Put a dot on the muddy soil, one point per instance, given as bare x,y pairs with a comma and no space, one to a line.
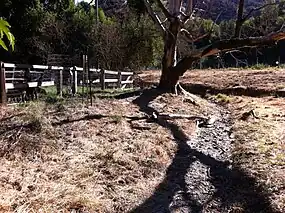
202,177
215,143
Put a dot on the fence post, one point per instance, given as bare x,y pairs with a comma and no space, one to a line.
102,79
3,95
59,85
119,79
74,81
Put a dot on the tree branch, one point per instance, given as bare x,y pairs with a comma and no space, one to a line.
188,11
189,7
226,45
257,9
232,44
154,17
163,9
174,7
239,21
191,39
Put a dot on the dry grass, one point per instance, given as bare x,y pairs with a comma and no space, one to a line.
260,147
106,165
260,143
83,164
269,78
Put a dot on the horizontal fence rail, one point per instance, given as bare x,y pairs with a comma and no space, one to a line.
17,78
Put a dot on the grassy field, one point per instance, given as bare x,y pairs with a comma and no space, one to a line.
270,79
64,156
260,140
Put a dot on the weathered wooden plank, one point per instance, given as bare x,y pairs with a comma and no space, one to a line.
102,79
111,72
111,80
79,68
74,82
59,85
128,82
25,66
22,71
47,83
127,73
55,68
15,71
9,86
31,84
94,70
15,79
3,95
119,79
106,81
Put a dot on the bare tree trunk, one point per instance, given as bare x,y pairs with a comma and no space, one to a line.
169,77
171,71
240,20
171,74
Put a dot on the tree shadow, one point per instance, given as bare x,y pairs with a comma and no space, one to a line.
203,89
232,185
97,116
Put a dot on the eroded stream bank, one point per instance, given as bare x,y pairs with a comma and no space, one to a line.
202,176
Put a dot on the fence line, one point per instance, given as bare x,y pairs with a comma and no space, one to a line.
14,77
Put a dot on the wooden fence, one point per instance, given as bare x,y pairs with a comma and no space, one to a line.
15,78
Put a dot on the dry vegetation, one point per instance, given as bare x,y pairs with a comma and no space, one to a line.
260,142
110,157
268,79
65,157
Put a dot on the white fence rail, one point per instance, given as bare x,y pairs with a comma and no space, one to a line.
23,76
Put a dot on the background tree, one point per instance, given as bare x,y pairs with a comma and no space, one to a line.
130,39
177,15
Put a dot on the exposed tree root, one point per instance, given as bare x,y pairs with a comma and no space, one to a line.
187,95
246,115
173,116
201,121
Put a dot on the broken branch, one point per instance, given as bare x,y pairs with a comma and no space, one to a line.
154,17
189,7
226,45
257,9
170,116
163,9
231,44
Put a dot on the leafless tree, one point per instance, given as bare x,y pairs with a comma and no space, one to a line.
177,14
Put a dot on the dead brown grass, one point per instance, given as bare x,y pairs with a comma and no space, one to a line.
269,78
92,165
260,143
260,147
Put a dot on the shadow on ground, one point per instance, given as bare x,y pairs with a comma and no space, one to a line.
202,90
232,185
